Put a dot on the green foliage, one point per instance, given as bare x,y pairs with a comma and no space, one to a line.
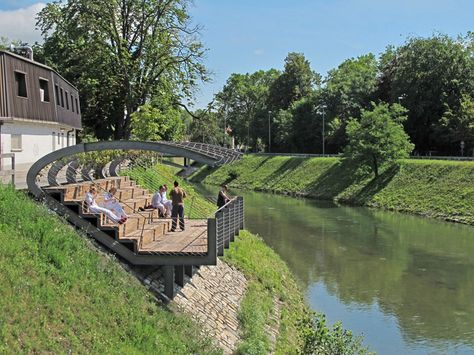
243,104
154,124
152,177
270,281
297,81
59,294
206,129
378,138
434,188
429,75
320,339
121,55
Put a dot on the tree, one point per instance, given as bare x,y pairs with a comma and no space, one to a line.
152,123
298,80
428,76
348,89
378,137
242,103
121,54
206,129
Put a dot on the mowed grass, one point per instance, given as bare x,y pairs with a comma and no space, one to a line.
440,189
60,295
195,205
271,285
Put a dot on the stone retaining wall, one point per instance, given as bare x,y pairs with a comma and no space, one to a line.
212,297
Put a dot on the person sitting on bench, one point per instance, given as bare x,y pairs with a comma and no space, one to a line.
95,208
111,203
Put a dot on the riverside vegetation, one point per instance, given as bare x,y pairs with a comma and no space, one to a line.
433,188
59,293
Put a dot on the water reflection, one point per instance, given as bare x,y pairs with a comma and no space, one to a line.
406,282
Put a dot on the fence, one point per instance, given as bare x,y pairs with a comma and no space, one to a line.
303,155
229,220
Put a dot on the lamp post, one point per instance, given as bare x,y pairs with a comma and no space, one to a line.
269,133
322,110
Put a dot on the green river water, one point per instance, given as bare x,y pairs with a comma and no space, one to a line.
406,283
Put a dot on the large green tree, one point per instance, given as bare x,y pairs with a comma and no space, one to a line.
296,81
348,89
242,103
378,137
121,54
429,76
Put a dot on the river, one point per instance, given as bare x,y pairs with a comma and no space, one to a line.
406,283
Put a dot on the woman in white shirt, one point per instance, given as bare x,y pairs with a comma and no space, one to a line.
111,203
95,208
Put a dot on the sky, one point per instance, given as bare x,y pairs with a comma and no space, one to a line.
243,36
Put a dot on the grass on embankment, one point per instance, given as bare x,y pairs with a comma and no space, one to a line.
270,285
434,188
59,295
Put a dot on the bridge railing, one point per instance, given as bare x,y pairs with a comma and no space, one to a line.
227,223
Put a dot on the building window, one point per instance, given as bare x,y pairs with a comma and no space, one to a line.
62,97
77,106
67,99
20,81
56,91
59,138
72,103
44,90
16,142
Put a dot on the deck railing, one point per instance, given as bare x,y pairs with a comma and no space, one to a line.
229,220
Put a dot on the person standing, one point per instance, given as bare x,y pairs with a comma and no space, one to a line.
222,198
177,197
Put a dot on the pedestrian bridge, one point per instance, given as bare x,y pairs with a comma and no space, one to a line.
62,178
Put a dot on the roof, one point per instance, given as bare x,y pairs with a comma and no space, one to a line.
37,64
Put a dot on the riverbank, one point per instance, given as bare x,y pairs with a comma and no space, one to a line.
433,188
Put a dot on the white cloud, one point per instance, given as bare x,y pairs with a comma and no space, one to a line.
19,24
258,51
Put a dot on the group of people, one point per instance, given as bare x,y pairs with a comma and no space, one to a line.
173,208
111,207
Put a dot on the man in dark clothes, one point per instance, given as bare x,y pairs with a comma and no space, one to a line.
177,197
222,198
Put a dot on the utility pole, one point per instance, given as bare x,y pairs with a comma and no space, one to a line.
322,111
269,133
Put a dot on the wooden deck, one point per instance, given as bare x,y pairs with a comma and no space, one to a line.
193,240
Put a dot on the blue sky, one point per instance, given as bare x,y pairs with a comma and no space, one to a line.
245,36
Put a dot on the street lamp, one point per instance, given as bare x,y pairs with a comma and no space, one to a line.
269,133
322,110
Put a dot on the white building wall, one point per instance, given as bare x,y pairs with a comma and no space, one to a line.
37,140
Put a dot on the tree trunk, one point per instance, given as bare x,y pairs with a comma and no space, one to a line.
375,166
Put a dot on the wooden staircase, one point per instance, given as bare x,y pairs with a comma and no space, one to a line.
144,233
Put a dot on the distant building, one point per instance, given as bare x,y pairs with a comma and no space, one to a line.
39,110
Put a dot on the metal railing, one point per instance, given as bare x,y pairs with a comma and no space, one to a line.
229,220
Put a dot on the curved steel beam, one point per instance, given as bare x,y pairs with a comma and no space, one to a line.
161,147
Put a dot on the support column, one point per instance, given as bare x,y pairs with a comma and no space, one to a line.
188,270
179,275
168,273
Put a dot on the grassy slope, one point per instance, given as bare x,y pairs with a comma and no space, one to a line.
269,279
441,189
59,295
